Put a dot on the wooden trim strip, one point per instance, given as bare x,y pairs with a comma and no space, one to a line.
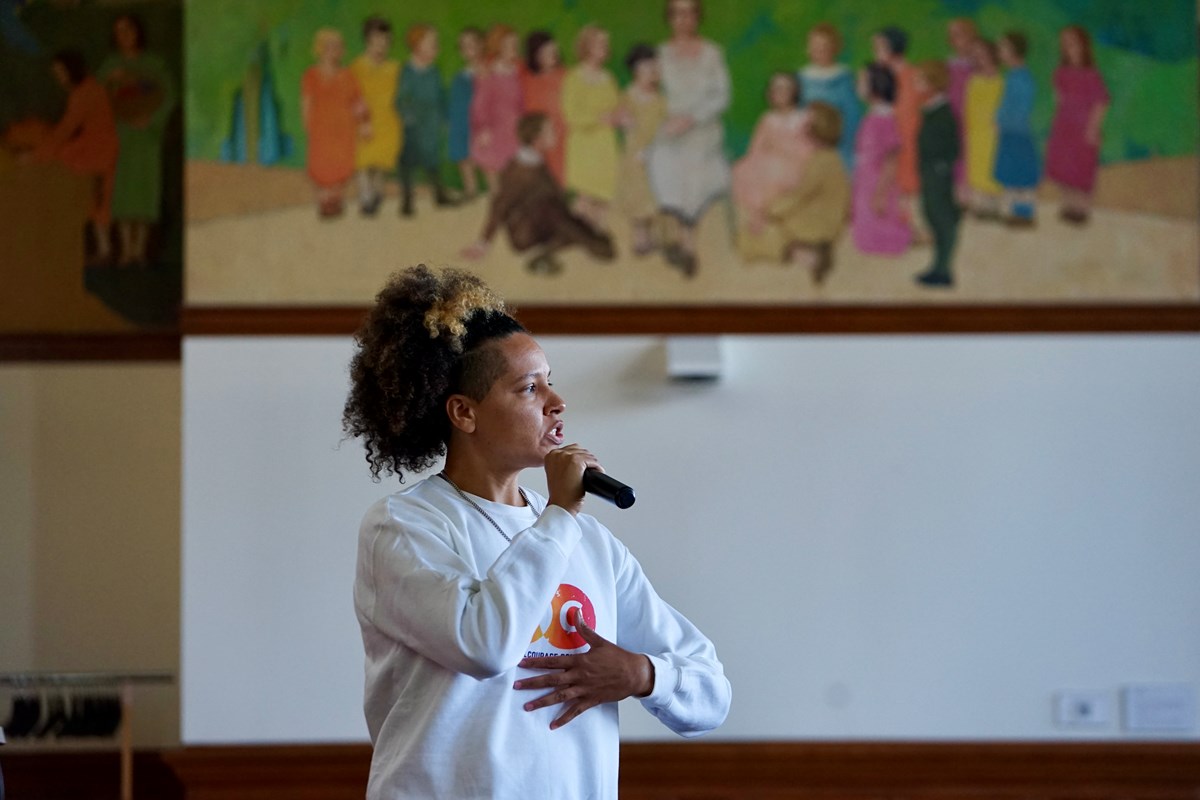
744,770
89,347
860,319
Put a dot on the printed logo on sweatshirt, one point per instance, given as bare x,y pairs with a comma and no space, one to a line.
556,627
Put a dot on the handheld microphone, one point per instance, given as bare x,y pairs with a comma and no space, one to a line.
602,485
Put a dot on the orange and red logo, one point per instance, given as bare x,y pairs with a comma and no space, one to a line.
556,627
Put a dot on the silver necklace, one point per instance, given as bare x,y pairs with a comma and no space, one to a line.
478,508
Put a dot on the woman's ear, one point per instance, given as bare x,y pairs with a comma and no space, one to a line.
461,411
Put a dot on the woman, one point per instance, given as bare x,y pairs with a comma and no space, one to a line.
772,166
880,226
496,104
1082,100
457,570
377,74
824,79
335,118
143,97
462,89
687,163
1018,165
85,140
591,105
541,91
980,135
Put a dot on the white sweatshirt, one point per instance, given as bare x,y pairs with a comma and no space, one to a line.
448,608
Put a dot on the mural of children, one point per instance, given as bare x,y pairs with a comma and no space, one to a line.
143,96
421,101
591,109
1073,152
377,77
687,165
85,140
335,116
889,47
811,216
1018,168
462,89
644,110
938,148
980,134
961,33
541,90
880,226
772,166
497,103
532,207
826,80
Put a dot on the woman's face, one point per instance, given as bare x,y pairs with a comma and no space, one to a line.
470,47
125,32
982,57
821,49
880,49
598,48
959,34
427,48
510,48
684,17
378,44
645,74
1072,48
547,56
332,50
519,421
1007,54
781,93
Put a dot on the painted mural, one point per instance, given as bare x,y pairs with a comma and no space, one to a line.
91,142
1015,151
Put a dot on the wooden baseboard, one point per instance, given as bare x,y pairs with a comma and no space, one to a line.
663,771
85,775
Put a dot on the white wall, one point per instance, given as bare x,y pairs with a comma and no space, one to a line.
886,537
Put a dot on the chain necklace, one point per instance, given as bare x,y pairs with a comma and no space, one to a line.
478,508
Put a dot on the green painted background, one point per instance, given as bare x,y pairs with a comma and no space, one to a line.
1146,50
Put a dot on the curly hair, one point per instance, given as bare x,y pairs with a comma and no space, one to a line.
424,339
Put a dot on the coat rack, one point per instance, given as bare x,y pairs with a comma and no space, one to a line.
124,682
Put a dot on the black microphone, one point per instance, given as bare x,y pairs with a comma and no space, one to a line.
602,485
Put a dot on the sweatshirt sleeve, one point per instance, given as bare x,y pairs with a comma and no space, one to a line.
691,694
413,587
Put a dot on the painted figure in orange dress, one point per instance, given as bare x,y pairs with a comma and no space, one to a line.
335,117
85,140
541,90
889,47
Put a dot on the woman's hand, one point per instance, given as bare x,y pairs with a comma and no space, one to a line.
606,673
564,476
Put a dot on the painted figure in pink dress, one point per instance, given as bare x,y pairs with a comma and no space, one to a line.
497,103
1073,153
880,225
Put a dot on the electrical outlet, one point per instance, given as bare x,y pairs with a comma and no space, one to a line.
1078,709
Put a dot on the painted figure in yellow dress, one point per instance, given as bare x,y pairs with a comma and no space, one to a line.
591,105
377,75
